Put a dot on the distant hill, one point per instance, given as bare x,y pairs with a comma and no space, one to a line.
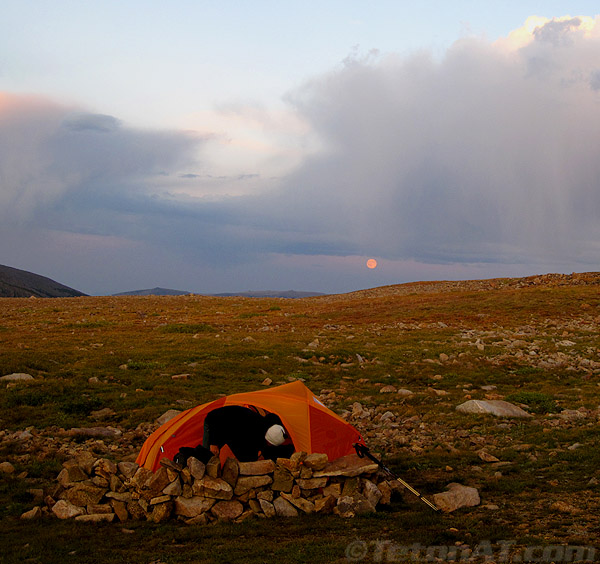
270,294
15,283
154,292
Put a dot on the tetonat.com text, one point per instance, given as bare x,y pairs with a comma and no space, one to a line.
484,551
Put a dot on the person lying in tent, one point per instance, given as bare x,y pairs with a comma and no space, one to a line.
247,433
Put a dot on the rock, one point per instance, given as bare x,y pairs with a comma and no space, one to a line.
167,416
325,505
105,468
572,415
284,508
565,507
95,432
96,518
141,477
267,507
7,468
127,469
136,510
256,468
372,493
70,475
66,510
83,494
197,468
16,377
120,509
119,496
215,488
213,467
173,489
32,514
246,483
159,481
498,408
161,512
300,503
350,465
193,506
283,481
486,457
312,483
348,506
316,461
267,382
231,471
86,460
105,413
227,510
456,497
403,392
389,389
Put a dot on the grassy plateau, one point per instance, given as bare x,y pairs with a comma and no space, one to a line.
121,362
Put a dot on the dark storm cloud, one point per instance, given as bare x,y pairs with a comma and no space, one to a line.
490,154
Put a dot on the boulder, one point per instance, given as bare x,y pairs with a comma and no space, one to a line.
16,377
498,408
456,497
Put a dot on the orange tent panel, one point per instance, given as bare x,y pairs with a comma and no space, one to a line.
311,426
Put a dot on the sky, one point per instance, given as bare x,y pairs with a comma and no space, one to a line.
233,146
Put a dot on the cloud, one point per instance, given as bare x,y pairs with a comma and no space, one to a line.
50,153
489,155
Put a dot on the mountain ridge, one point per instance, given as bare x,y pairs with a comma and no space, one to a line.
16,283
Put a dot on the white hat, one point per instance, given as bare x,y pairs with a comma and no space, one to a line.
275,435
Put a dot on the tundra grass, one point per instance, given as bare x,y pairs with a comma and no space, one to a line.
87,354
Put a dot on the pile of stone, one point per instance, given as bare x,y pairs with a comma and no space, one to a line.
95,490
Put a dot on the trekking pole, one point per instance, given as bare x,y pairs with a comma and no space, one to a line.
363,450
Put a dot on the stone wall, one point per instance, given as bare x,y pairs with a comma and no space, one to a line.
91,489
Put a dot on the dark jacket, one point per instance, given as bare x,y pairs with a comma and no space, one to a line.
243,430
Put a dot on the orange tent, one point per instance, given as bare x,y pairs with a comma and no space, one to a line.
311,426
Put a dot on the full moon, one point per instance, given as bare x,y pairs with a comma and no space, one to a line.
371,263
